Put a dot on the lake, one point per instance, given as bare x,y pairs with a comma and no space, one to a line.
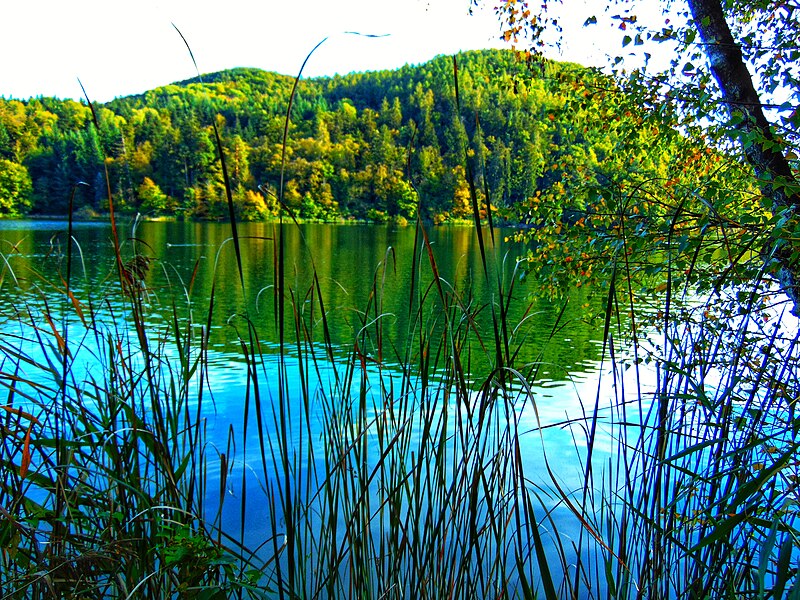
398,362
354,409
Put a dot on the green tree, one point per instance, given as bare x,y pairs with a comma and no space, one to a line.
6,151
152,199
767,151
15,188
732,59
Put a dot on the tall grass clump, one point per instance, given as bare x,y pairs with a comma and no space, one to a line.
103,451
700,498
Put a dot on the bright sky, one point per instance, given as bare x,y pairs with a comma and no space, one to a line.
120,47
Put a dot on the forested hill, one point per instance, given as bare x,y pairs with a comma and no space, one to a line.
359,146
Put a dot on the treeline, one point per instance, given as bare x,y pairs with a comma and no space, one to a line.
359,146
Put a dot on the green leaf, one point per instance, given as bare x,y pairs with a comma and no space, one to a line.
719,532
175,554
693,449
626,40
719,254
747,489
782,572
746,257
765,554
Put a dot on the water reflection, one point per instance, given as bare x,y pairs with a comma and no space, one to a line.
353,264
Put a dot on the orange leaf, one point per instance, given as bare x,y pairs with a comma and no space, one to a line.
62,346
26,454
21,413
77,306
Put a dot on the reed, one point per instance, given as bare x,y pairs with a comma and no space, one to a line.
421,483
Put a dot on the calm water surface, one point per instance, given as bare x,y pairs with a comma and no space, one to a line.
187,259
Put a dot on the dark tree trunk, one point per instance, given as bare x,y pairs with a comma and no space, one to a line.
763,153
729,69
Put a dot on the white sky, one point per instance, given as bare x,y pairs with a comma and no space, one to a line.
120,47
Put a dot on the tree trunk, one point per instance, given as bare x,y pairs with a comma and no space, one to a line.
760,145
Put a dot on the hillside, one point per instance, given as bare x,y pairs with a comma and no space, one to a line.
365,145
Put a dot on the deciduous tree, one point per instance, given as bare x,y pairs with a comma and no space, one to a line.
734,70
15,188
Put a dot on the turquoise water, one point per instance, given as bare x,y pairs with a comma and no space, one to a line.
365,278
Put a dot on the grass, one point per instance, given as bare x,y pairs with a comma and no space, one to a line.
395,468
